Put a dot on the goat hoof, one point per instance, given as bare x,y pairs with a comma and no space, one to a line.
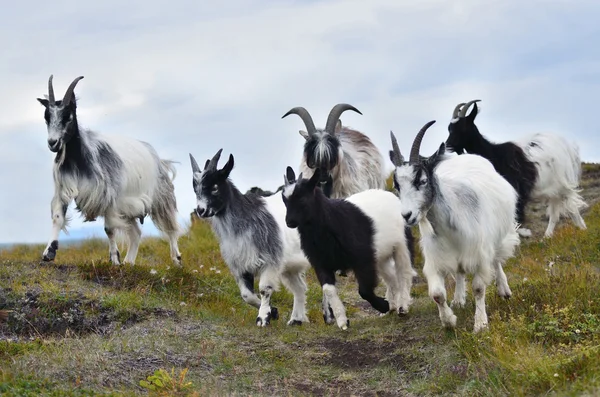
294,322
263,322
274,313
49,256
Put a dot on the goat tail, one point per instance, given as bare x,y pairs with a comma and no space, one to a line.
164,206
508,245
167,166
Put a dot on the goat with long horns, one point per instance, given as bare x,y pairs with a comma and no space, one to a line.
115,177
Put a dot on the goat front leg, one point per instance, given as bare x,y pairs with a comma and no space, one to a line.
331,299
267,284
246,284
59,211
110,228
437,292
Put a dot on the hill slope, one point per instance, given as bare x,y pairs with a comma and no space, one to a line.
81,326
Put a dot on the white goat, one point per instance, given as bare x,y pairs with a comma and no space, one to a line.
466,216
118,178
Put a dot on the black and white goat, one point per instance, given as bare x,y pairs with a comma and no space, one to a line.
363,233
114,177
542,166
466,215
348,160
254,239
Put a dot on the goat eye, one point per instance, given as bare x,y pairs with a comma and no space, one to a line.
215,189
423,182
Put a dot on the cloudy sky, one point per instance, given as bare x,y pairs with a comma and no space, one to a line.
194,76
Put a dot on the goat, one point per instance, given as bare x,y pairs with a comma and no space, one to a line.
466,215
348,160
114,177
253,239
362,233
542,166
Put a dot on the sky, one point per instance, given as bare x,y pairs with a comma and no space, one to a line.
196,76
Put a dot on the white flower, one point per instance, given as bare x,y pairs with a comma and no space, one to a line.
556,375
194,271
152,271
577,331
212,269
182,304
201,266
168,267
525,279
218,272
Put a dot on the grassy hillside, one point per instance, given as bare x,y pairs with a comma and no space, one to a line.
83,327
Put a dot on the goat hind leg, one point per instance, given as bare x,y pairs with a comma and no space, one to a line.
110,223
481,319
295,283
134,234
553,212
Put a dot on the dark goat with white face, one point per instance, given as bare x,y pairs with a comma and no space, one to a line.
542,166
364,233
466,216
253,238
118,178
348,160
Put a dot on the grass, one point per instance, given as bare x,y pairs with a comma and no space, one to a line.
81,326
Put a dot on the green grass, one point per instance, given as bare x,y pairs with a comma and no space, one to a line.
81,326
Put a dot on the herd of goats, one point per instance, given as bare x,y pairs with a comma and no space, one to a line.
336,214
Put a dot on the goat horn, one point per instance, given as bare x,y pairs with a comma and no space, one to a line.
69,94
51,98
212,165
335,114
306,118
463,112
398,159
416,147
456,109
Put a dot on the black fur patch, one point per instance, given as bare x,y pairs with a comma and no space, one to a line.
508,159
248,281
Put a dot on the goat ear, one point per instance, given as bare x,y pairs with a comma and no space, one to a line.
473,114
44,102
195,167
206,164
290,176
437,156
304,134
338,127
226,170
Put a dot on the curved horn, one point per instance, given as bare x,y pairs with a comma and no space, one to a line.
456,109
463,112
335,114
414,151
69,94
51,98
306,118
